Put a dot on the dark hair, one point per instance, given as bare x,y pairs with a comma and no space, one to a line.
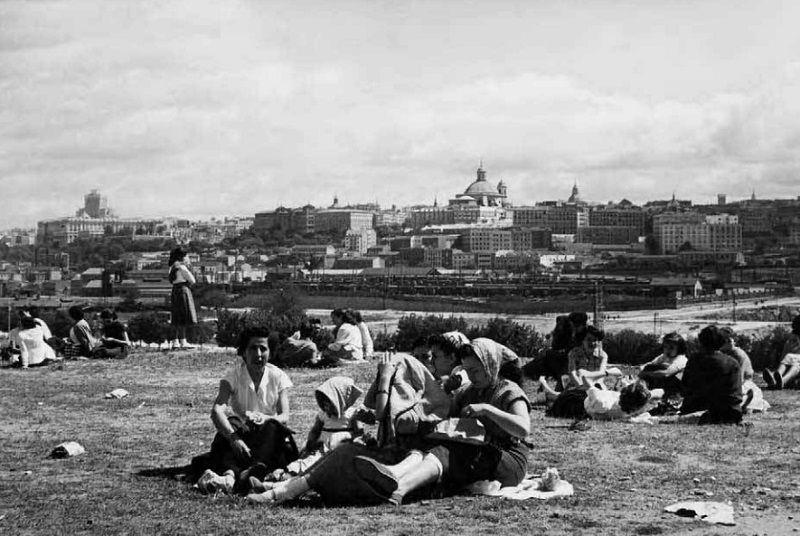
306,329
420,342
633,397
578,318
562,333
108,314
177,254
75,312
584,331
345,314
27,322
796,325
447,345
33,310
356,316
711,338
677,340
261,332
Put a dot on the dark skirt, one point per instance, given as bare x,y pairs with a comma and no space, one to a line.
463,464
569,404
183,311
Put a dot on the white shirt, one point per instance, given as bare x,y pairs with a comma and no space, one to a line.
183,275
348,337
45,329
676,364
33,349
366,339
246,397
603,404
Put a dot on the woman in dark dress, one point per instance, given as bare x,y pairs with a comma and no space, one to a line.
183,310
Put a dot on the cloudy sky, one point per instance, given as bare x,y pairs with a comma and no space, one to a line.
199,108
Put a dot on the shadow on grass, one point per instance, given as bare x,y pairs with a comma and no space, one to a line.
179,472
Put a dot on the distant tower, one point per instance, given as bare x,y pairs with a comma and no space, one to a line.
502,189
722,199
95,205
335,201
435,202
575,197
481,172
753,196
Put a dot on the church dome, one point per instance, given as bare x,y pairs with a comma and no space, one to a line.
480,187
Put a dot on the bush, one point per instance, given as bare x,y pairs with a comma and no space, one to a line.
767,351
152,327
230,324
521,338
149,327
629,347
412,327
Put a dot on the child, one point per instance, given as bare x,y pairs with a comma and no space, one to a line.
336,423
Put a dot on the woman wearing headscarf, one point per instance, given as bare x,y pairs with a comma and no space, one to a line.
500,405
407,402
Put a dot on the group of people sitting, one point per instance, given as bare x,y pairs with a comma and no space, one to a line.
477,382
32,344
407,400
353,343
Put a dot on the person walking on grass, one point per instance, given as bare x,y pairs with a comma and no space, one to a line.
184,314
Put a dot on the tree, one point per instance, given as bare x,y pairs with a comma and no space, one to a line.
686,246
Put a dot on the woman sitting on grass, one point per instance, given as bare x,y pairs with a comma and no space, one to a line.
348,345
257,394
500,405
81,342
666,370
588,366
789,369
712,382
752,394
336,423
407,401
114,342
30,340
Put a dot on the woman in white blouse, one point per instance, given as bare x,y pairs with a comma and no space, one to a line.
182,302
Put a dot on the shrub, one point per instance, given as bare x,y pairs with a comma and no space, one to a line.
767,351
521,338
412,327
230,324
149,327
629,347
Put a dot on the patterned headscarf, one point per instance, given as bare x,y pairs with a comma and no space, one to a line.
341,391
456,338
490,355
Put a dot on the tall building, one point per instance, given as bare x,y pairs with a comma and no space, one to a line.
713,233
360,240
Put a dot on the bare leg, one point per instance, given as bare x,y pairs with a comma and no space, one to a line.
791,372
550,394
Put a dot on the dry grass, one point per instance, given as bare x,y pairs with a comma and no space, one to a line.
624,475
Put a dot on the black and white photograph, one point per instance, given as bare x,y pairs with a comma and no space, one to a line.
399,267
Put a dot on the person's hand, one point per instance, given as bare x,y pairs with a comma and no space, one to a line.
241,450
474,410
365,415
256,417
452,382
385,366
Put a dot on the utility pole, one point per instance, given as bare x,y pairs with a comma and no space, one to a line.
655,323
598,306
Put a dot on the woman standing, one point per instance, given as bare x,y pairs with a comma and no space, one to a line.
183,311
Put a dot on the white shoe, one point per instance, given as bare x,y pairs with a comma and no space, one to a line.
211,482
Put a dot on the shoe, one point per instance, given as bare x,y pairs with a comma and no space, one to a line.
768,378
778,380
268,498
211,482
379,478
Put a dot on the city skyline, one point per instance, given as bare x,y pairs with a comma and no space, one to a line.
194,109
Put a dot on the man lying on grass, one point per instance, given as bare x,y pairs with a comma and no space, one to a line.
254,439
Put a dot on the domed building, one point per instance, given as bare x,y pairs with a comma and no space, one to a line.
482,193
481,203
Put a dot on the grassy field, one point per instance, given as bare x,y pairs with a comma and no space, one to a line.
624,475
